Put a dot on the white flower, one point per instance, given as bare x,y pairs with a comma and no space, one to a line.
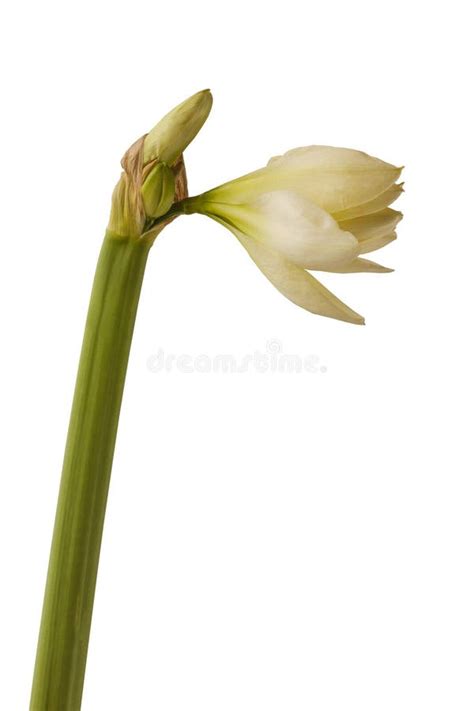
315,208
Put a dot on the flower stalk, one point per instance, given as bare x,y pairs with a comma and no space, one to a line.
153,179
69,596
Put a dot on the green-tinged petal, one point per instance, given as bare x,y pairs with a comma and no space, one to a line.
168,139
368,208
374,243
292,225
371,226
361,265
298,285
336,179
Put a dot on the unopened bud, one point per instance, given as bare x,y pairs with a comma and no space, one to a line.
168,139
158,190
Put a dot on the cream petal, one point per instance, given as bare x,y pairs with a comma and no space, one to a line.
368,208
296,283
299,229
361,265
326,156
370,245
336,179
371,226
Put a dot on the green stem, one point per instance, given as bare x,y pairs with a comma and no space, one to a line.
70,587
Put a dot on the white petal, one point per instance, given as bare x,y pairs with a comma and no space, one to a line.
361,265
368,208
296,283
334,178
371,226
294,226
370,245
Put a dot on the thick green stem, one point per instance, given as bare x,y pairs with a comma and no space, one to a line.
69,597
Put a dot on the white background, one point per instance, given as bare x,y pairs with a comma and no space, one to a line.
274,542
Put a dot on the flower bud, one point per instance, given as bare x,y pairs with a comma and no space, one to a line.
168,139
158,190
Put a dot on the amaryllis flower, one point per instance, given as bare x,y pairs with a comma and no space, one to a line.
315,208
